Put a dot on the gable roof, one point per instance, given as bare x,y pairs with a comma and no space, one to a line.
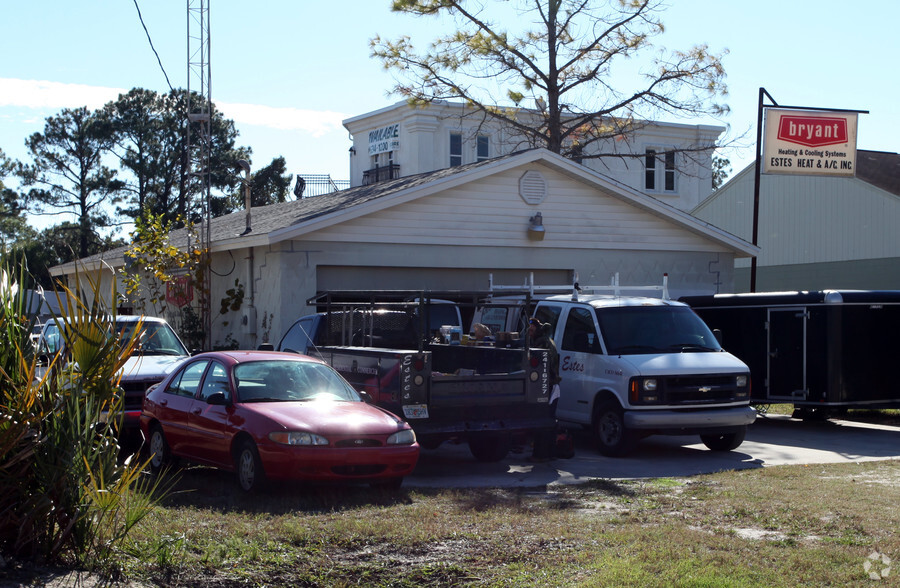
287,220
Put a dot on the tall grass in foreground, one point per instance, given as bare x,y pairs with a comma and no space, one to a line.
64,496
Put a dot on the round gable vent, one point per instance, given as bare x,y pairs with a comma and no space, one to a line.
533,187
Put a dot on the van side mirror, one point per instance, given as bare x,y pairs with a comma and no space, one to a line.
717,333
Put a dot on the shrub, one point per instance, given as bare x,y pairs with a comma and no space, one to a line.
65,496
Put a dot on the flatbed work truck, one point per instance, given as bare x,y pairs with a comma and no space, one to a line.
386,346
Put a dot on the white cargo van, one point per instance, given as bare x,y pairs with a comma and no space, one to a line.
633,366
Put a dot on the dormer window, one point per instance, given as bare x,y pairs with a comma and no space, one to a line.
456,141
659,170
482,148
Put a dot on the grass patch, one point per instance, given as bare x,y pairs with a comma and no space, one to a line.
779,526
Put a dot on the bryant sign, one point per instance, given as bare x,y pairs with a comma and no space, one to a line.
809,142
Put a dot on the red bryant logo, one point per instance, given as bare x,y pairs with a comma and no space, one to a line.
813,131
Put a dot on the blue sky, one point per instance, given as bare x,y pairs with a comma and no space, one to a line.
288,71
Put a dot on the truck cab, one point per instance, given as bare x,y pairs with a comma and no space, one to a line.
633,366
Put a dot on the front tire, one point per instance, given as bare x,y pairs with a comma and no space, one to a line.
725,441
613,438
250,474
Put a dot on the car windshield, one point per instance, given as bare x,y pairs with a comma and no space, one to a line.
290,381
155,339
635,330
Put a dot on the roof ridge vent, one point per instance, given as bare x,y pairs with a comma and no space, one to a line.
533,187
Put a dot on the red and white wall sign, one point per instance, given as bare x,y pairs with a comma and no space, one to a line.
809,142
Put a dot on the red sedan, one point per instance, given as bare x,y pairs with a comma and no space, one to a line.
271,415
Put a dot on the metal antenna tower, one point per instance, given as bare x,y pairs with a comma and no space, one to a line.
199,111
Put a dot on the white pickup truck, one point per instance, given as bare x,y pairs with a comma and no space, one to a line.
634,366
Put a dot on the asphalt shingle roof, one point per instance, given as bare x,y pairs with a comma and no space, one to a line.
266,219
880,169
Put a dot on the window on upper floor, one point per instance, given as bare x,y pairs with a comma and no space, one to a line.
383,159
482,148
659,170
456,141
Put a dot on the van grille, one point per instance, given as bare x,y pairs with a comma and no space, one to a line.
709,389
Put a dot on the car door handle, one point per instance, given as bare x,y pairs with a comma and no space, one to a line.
196,411
164,402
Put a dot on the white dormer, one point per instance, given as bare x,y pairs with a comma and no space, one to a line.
401,140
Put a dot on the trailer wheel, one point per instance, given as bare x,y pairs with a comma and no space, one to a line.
724,441
613,438
489,448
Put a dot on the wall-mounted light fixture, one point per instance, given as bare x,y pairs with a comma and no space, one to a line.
536,230
353,151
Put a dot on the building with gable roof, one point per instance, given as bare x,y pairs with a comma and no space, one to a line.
449,229
816,232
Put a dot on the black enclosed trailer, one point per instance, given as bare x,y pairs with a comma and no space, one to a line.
822,351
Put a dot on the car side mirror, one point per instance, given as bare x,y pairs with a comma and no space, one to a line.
266,347
366,397
717,333
217,399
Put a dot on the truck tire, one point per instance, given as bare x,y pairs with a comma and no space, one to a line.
613,438
489,448
430,443
724,441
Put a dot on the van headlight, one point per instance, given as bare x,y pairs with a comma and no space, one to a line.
741,381
644,391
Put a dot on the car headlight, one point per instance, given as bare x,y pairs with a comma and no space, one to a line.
741,382
297,438
404,437
650,385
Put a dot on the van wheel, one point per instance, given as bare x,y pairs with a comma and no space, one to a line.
248,466
724,441
489,448
613,439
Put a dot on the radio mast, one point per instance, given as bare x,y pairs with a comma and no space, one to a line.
199,108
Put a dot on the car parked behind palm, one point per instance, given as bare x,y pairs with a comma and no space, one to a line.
157,351
273,415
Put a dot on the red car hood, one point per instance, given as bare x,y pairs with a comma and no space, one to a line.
327,417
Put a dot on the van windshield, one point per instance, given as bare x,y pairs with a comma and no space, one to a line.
636,330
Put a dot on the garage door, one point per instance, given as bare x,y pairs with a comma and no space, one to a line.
392,278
